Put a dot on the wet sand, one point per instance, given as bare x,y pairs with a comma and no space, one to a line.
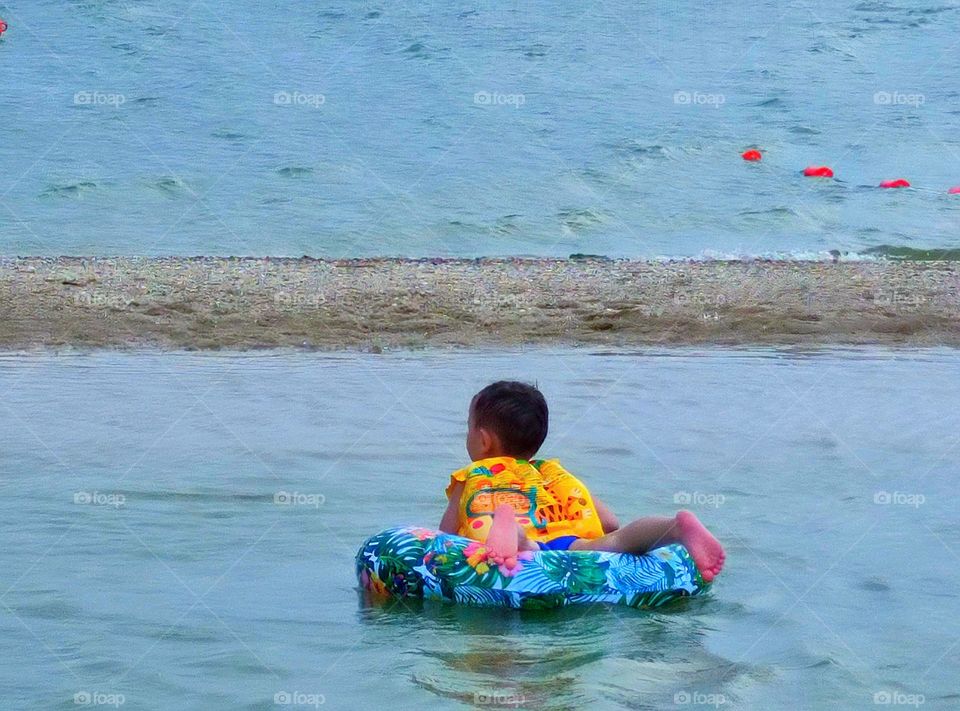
371,304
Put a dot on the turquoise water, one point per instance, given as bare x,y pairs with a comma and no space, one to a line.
496,128
143,555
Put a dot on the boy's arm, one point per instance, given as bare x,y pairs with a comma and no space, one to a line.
608,520
448,524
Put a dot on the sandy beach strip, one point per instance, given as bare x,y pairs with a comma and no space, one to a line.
372,304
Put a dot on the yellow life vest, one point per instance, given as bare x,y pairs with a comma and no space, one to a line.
547,499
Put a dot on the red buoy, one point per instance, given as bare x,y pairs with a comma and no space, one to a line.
3,26
818,171
955,190
752,154
898,183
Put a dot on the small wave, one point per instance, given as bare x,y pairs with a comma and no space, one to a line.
70,189
824,255
879,21
53,610
869,254
420,50
759,72
155,31
931,10
635,148
778,212
825,48
127,48
170,186
504,226
637,151
227,134
874,6
874,584
581,219
535,51
294,171
595,175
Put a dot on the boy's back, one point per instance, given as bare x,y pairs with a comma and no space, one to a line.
548,501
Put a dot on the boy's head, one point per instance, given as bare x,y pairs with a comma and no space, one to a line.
507,419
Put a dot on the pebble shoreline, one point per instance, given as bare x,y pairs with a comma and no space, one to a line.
373,304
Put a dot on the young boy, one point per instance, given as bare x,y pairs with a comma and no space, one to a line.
510,502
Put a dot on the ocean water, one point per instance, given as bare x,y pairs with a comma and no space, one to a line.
358,128
145,561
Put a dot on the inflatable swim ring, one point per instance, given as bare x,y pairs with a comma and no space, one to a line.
419,562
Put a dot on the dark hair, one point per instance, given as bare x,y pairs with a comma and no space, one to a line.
516,412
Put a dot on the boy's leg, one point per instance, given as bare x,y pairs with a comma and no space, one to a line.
506,537
651,532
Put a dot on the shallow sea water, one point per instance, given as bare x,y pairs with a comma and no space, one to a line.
144,556
359,128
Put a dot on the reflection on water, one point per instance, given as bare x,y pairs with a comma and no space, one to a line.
184,527
557,659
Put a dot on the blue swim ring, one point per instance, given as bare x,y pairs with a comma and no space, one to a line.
419,562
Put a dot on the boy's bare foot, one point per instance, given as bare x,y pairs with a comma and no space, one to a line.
502,541
705,550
